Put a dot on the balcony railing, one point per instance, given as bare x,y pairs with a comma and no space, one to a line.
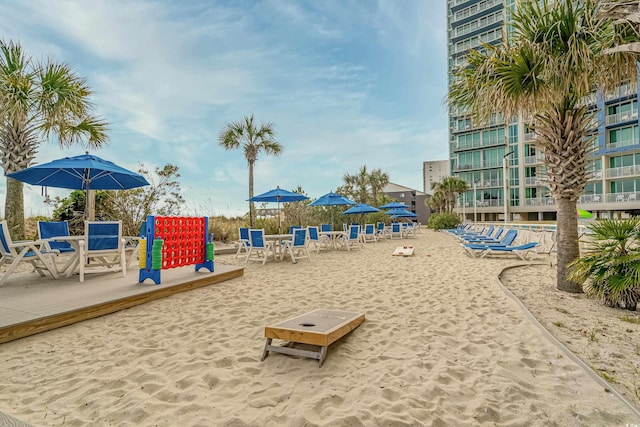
540,201
529,136
489,183
622,143
623,197
531,160
623,116
624,90
623,171
486,203
532,180
590,198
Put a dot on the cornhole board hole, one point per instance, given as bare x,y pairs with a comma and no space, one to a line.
403,251
318,328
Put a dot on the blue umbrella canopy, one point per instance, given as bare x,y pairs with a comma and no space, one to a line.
400,213
278,195
332,199
394,205
80,173
360,208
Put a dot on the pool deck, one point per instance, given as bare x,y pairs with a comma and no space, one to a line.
30,304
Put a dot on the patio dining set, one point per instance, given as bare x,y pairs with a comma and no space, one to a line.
102,248
256,245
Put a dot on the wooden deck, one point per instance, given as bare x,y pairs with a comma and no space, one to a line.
30,304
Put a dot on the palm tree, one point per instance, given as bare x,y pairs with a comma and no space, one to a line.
449,189
39,101
253,140
378,180
546,71
365,186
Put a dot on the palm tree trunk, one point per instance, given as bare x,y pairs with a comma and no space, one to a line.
252,209
568,249
14,209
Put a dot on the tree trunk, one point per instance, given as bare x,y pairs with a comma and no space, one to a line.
252,213
567,241
14,209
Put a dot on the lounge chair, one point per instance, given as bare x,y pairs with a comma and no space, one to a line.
49,229
396,230
259,248
381,230
326,228
476,249
352,238
506,239
316,239
297,247
409,230
484,233
522,251
103,249
243,241
37,253
369,234
493,238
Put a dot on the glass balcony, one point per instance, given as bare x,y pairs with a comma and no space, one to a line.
623,171
540,201
532,160
622,143
590,198
622,197
621,117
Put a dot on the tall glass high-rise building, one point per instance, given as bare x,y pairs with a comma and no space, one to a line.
484,156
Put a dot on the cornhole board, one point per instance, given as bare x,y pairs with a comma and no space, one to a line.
319,328
403,251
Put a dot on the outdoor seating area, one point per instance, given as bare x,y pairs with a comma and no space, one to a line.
300,242
100,249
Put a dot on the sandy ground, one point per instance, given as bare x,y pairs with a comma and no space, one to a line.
441,345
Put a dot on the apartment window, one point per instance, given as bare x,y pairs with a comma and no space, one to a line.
493,137
623,137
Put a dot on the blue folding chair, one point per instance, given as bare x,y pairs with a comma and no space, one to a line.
51,229
296,247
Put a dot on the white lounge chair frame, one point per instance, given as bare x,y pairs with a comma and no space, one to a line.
33,251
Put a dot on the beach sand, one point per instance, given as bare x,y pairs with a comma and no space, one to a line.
441,345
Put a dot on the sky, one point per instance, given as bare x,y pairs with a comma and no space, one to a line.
346,83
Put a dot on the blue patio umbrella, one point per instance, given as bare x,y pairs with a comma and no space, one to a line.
360,208
278,195
394,205
84,172
400,213
332,199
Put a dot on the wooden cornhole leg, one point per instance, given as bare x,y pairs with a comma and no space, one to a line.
320,355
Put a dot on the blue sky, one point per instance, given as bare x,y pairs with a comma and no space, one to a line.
346,83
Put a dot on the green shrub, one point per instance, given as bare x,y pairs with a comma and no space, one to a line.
611,269
443,221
